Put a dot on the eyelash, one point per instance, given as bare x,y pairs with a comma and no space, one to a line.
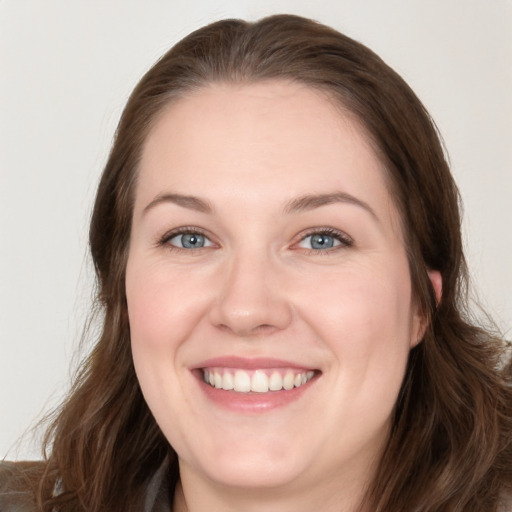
185,230
345,240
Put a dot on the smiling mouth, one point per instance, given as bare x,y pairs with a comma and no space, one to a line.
256,381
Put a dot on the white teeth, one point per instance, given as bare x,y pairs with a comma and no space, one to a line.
275,382
228,381
260,382
288,381
242,381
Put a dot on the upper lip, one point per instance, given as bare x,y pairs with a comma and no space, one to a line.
256,363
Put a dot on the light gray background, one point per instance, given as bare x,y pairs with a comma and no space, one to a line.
66,69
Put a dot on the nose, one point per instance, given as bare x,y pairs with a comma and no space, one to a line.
252,299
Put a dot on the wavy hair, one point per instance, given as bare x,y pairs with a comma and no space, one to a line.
450,446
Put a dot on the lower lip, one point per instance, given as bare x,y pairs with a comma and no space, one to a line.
253,402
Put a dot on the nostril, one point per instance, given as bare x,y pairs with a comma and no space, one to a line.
248,330
264,328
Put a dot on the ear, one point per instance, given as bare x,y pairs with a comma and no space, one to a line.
419,321
437,284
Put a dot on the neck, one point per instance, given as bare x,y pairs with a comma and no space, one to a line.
342,493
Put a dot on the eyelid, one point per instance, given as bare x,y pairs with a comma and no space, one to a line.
344,239
184,230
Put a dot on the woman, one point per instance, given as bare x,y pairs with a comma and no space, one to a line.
276,237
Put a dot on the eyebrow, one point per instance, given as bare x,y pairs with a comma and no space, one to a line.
190,202
297,205
312,201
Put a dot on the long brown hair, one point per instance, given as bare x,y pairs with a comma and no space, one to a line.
450,448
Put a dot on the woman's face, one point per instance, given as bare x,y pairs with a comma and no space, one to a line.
267,256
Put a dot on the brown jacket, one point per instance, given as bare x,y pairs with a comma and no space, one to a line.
16,488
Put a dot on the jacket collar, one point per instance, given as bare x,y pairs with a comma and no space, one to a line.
158,494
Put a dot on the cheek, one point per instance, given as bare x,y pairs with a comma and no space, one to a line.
162,307
149,309
375,299
163,310
364,317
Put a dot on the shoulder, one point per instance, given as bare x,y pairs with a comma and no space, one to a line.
17,483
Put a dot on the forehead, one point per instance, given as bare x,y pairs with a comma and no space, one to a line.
275,139
220,116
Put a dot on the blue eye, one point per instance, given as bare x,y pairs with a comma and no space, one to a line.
324,241
190,241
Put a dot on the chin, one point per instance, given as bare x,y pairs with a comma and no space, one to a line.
258,473
264,463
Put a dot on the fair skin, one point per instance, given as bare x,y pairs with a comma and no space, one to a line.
265,242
